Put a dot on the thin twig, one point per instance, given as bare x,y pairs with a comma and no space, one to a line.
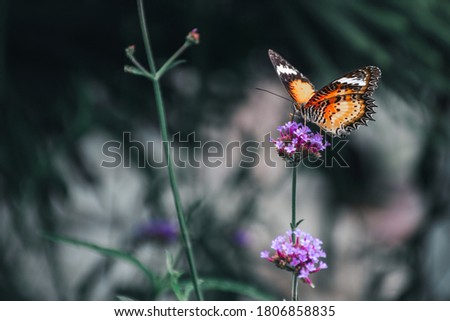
164,135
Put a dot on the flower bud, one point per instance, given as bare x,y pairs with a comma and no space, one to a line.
193,37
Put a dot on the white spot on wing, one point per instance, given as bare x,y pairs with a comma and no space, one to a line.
351,81
285,70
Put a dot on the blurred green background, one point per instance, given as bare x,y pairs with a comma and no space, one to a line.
63,94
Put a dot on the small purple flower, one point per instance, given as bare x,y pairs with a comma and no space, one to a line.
290,149
290,127
302,258
297,141
279,144
303,133
240,238
265,254
160,230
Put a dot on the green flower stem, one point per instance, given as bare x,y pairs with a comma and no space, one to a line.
294,193
294,287
140,67
293,227
169,61
163,124
3,47
135,71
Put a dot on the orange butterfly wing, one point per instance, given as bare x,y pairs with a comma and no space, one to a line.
296,84
346,103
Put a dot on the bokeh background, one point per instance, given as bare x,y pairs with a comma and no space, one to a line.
384,220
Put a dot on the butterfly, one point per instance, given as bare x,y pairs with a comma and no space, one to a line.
339,107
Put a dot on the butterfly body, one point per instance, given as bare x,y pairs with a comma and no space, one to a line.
339,107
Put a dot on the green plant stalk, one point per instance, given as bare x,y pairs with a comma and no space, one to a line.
294,286
140,67
163,124
169,61
294,193
3,48
176,194
293,226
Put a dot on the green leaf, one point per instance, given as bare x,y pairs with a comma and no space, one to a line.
133,70
174,64
188,288
107,252
181,290
174,276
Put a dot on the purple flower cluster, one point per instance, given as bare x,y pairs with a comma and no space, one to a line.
297,141
302,258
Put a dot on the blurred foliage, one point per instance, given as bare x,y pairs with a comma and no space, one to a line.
61,77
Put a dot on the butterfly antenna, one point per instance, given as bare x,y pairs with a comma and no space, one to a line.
268,91
294,110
